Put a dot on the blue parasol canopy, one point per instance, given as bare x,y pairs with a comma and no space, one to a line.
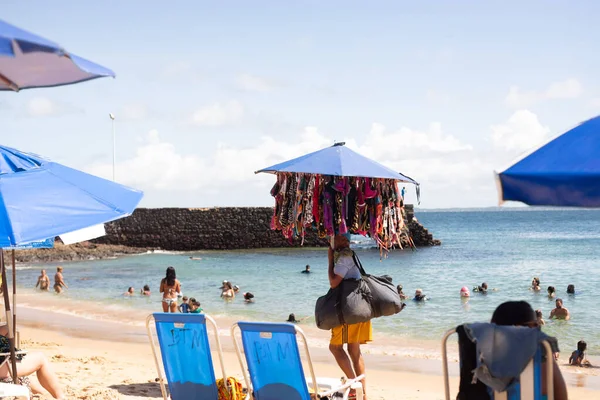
40,199
563,172
30,61
338,160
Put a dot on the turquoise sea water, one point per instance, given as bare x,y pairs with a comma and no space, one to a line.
505,248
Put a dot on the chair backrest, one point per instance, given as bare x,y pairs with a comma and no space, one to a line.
273,359
186,356
529,386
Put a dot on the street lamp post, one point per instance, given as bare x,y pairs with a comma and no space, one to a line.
112,117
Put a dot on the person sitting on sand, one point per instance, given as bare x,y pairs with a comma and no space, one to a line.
578,356
43,281
170,287
145,291
59,282
571,289
306,270
129,292
520,313
195,306
27,364
403,296
540,317
184,307
419,295
535,284
227,292
551,292
248,297
560,312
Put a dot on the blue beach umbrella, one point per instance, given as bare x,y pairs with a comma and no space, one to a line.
563,172
30,61
338,160
40,199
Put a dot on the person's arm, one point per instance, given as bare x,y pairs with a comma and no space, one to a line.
334,280
162,286
568,316
551,314
62,281
38,282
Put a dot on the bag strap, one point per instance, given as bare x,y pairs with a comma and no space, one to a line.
358,264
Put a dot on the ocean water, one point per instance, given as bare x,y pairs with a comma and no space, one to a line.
505,248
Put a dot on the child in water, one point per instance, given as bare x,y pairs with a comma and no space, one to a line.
578,356
540,317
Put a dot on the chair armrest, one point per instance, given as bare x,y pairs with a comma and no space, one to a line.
345,386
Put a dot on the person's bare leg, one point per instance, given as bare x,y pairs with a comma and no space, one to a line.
341,357
165,306
37,362
359,363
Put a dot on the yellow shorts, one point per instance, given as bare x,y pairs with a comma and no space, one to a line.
355,333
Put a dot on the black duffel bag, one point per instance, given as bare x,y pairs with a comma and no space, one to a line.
355,301
349,303
385,299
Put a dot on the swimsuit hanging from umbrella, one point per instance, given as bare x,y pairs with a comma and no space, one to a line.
338,191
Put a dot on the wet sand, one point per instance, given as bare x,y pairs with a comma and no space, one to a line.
103,353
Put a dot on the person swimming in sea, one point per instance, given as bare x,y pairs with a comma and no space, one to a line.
145,290
195,258
292,319
248,297
551,292
403,296
481,289
130,291
419,295
464,292
540,317
571,289
306,270
535,284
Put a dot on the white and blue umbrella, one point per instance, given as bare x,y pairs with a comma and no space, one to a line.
41,199
31,61
563,172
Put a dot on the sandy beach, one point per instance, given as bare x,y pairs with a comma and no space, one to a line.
103,359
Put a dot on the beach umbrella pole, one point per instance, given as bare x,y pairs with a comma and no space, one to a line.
9,318
14,299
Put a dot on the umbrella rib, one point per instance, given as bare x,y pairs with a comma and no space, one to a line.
12,85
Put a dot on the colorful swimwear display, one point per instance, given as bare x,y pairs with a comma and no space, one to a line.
337,205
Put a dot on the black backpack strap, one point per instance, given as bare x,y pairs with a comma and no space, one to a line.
358,264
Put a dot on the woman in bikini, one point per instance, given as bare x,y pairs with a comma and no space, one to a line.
59,282
227,292
169,287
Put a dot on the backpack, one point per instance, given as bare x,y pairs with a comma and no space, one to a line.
232,391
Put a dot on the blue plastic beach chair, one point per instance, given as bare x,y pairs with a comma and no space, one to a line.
274,367
529,386
186,356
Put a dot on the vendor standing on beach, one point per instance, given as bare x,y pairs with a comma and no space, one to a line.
169,287
342,266
59,282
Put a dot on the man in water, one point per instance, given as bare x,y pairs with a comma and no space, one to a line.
43,281
560,312
59,282
306,270
342,266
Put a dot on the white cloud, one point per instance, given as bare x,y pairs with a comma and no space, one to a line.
133,111
568,89
218,114
253,83
226,177
522,131
44,107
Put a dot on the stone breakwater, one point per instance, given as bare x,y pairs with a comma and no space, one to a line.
185,229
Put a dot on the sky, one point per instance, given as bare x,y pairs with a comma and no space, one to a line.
207,92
